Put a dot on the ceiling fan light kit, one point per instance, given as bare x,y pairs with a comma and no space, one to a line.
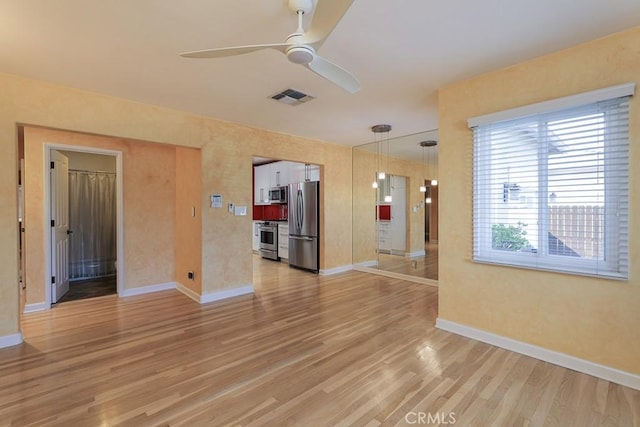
300,54
300,47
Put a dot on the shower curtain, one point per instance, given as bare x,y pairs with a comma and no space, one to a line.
92,220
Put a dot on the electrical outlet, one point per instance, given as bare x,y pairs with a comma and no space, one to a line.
191,275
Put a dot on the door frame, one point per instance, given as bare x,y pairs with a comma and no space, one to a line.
48,147
61,220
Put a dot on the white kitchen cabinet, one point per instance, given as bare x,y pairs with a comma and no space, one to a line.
314,172
283,240
302,171
398,214
384,188
280,173
262,183
297,172
384,236
277,174
392,229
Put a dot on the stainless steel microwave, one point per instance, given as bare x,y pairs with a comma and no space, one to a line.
278,195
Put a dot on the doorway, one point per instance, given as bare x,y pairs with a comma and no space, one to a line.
83,208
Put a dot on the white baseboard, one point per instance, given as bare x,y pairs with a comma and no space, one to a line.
35,307
415,254
188,292
371,263
226,293
11,340
215,296
148,289
336,270
571,362
394,275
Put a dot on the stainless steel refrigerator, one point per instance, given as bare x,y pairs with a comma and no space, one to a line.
304,225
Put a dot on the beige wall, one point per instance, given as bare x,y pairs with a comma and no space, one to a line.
593,319
226,153
149,207
188,249
364,206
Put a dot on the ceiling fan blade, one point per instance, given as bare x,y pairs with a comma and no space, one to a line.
231,51
326,16
334,74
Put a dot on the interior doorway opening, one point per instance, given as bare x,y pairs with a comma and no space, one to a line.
92,251
45,232
82,206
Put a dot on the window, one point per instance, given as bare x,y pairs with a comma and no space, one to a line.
551,185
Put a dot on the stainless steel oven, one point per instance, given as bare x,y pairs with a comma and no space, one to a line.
268,240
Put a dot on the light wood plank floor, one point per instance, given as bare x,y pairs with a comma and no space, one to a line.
353,349
423,266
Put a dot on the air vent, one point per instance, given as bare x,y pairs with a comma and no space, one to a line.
292,97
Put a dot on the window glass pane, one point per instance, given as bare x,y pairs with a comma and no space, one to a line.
576,187
515,188
550,191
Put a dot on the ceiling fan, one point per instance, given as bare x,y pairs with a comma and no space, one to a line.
300,47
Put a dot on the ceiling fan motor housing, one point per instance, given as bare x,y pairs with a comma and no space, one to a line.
300,54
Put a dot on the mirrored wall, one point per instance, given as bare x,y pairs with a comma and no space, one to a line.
395,206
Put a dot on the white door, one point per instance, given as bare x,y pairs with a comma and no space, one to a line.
59,225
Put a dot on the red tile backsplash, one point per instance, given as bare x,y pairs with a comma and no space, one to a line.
270,212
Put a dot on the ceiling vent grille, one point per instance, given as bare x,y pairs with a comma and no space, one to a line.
292,97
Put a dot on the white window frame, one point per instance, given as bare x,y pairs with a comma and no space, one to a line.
542,260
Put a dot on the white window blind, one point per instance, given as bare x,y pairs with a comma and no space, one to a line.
551,189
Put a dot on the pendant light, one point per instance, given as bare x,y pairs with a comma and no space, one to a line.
380,130
423,187
426,145
374,185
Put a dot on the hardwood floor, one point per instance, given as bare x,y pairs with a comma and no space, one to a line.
424,266
352,349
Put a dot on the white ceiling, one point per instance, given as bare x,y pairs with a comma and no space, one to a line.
401,51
